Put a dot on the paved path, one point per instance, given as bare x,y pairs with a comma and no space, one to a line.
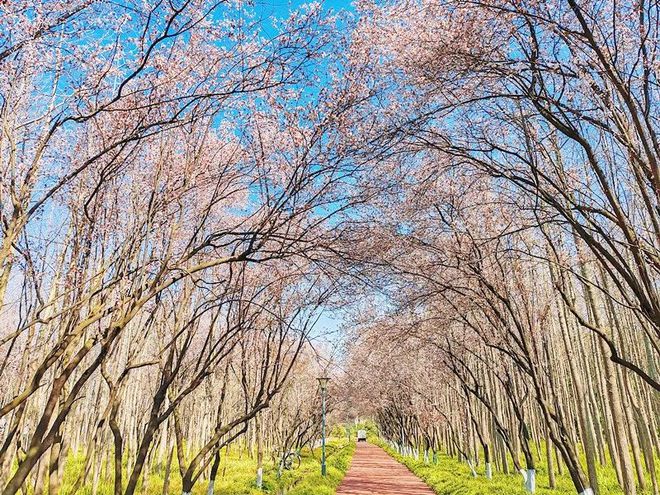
373,472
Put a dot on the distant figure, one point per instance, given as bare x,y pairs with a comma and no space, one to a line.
362,436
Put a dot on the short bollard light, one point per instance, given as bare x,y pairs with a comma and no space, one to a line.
323,385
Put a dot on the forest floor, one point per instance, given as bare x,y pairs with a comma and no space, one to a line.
236,475
373,471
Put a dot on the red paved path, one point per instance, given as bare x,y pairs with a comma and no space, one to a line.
373,472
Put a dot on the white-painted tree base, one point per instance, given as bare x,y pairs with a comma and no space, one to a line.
211,487
260,478
489,471
587,491
529,479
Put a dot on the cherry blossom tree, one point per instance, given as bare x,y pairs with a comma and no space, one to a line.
169,173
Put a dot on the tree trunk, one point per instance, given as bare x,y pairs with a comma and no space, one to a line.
551,467
214,473
260,453
53,467
168,470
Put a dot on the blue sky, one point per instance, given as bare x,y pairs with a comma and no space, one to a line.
283,6
327,329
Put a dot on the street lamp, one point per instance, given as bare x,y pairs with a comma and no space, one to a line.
323,385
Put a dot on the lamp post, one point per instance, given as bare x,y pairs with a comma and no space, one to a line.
323,384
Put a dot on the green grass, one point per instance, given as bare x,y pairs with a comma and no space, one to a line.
451,477
307,480
236,475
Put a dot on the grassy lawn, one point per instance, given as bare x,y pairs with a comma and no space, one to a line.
236,475
451,477
307,480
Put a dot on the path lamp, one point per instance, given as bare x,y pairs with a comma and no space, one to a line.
323,385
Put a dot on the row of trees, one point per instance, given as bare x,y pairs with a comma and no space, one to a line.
166,170
515,246
184,187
